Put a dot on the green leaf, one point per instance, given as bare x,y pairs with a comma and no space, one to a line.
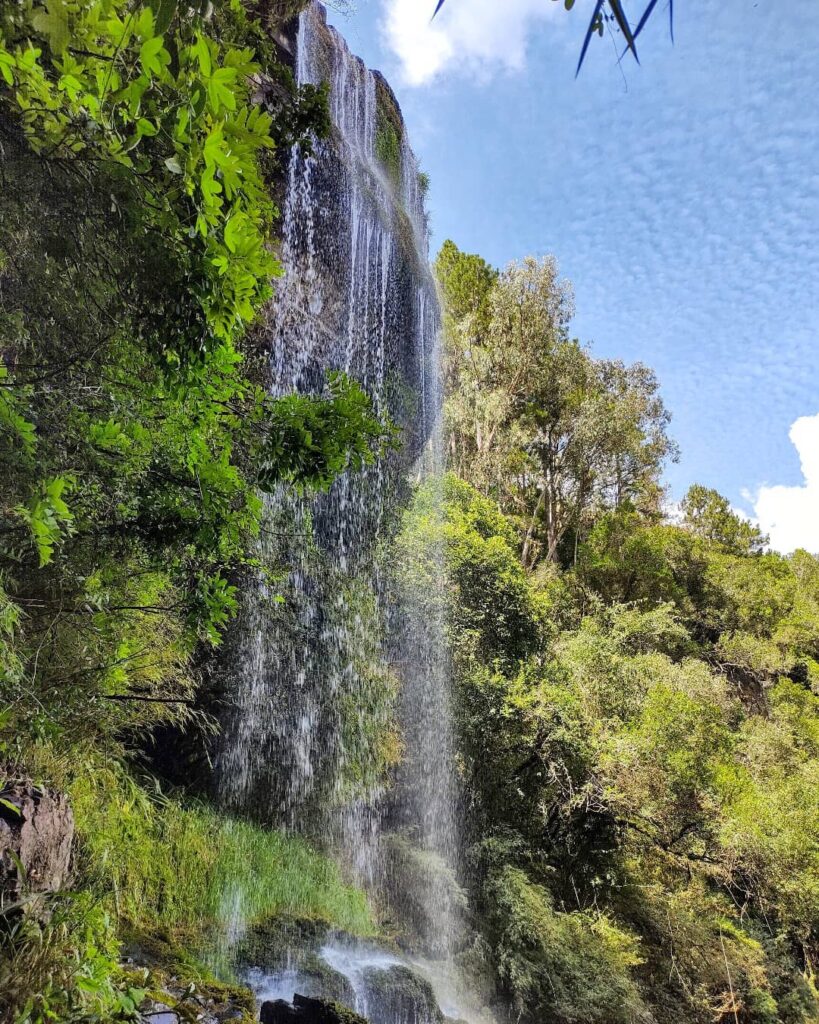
7,62
28,58
220,88
173,165
53,24
10,806
202,52
21,868
234,229
164,16
153,56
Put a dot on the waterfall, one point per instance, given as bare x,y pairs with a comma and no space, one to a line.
340,673
357,296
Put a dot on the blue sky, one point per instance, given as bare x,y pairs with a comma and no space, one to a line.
681,198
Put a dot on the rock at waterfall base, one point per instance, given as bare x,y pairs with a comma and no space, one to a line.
304,1010
397,993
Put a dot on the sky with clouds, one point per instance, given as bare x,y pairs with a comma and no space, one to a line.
681,198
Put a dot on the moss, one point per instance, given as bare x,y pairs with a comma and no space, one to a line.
161,963
271,943
389,131
388,149
420,879
282,11
325,1011
294,944
347,1016
398,993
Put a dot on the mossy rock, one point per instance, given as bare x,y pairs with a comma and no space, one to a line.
398,994
419,880
282,11
389,130
305,1010
281,942
319,980
291,944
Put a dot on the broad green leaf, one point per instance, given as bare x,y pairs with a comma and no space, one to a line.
153,56
202,52
220,88
53,23
164,16
234,230
7,62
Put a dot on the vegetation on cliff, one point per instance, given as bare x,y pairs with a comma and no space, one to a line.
139,157
637,697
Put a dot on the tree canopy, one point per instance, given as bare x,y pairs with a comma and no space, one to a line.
555,435
638,716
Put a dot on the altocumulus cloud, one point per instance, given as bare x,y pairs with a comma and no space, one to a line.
478,36
790,515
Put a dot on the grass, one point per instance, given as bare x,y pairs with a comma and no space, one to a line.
189,869
177,881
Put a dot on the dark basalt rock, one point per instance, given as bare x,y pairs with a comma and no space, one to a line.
36,833
304,1010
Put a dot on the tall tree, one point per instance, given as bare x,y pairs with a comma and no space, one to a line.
531,417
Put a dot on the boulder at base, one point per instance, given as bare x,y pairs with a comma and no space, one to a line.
397,995
304,1010
36,832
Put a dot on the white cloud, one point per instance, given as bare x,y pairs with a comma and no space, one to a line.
790,515
477,36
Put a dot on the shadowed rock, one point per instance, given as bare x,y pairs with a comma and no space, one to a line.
304,1010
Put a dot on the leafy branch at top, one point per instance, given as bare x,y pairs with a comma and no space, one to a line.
611,9
149,93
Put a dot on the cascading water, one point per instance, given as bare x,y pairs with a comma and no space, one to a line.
315,675
357,296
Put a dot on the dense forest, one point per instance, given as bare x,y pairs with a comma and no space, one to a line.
634,688
636,692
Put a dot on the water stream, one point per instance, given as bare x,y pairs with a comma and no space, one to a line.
320,676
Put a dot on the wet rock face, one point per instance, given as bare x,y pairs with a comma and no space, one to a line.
36,833
304,1010
397,995
358,297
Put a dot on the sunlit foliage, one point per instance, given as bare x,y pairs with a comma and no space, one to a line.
638,717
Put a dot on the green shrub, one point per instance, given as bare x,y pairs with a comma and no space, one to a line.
560,966
64,967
